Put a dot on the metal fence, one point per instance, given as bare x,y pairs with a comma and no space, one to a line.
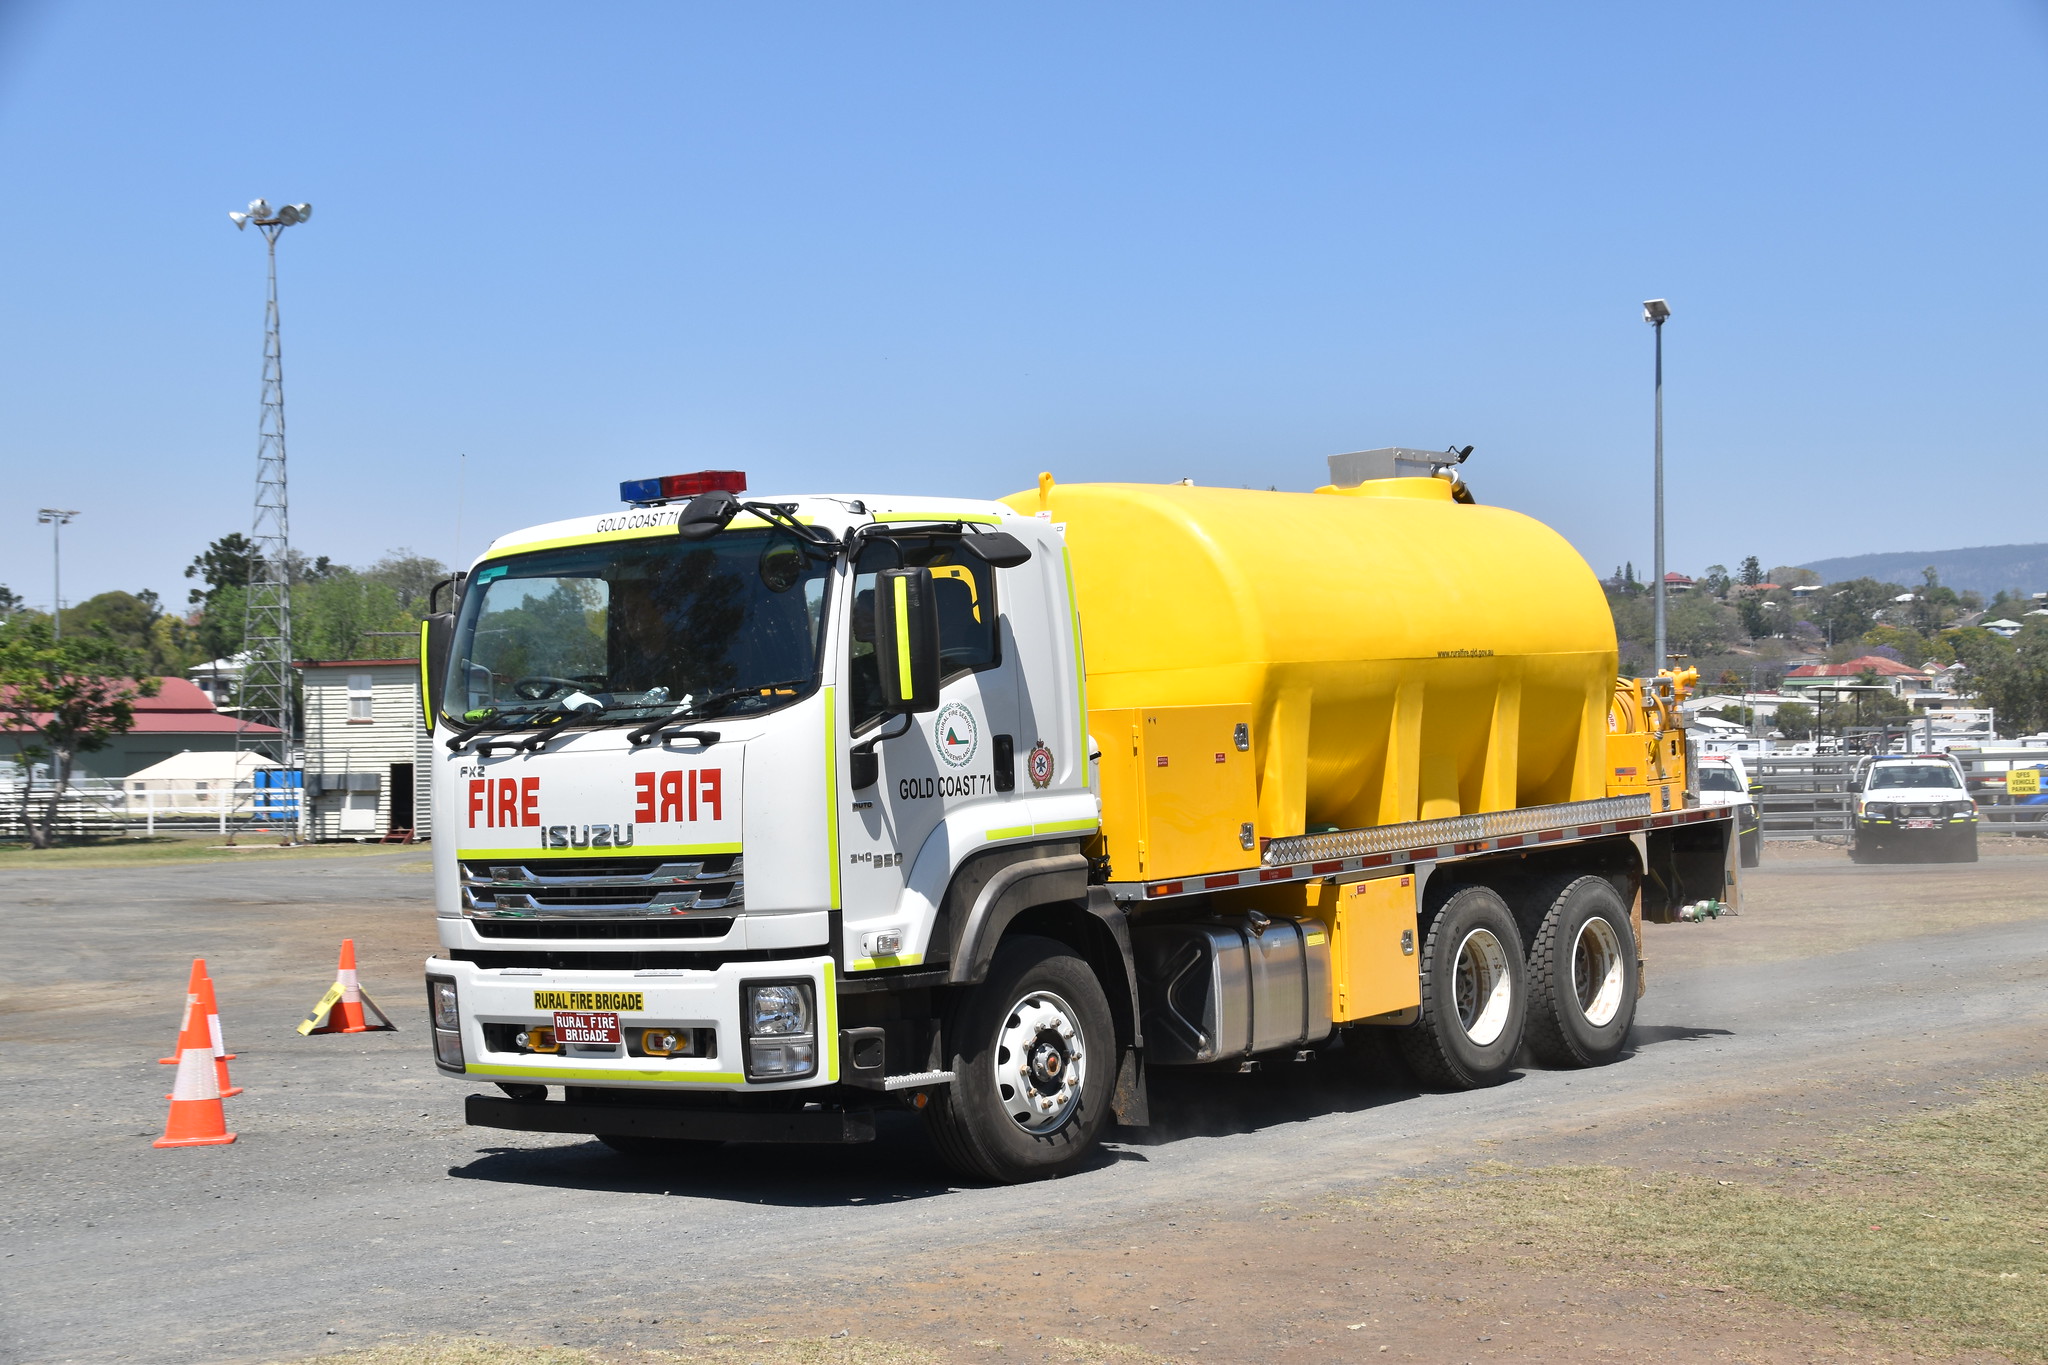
1804,797
94,807
1984,773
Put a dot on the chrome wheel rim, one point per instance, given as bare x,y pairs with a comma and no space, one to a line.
1597,975
1041,1063
1485,991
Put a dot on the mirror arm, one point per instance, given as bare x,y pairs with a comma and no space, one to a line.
863,766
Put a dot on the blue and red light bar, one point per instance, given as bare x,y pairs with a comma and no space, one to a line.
672,486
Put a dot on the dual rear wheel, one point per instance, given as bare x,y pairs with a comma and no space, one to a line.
1567,987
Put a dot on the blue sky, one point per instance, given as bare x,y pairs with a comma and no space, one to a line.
939,248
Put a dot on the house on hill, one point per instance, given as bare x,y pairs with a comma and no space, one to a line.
1831,680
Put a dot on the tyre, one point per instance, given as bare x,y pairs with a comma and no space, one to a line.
1472,1015
1749,849
656,1148
1582,977
1033,1054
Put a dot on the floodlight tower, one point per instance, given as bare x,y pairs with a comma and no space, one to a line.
266,687
56,518
1655,311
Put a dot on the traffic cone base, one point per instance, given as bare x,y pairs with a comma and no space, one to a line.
341,1009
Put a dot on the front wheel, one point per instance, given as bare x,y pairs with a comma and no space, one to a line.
1472,1015
1582,977
1033,1055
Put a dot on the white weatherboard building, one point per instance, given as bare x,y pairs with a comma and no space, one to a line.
366,750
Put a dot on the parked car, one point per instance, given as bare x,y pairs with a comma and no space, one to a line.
1915,806
1724,780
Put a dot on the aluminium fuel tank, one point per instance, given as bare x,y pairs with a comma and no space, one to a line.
1402,655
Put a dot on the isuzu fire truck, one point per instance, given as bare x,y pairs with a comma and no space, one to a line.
757,815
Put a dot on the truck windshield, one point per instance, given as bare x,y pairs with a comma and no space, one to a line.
639,630
1913,775
1716,778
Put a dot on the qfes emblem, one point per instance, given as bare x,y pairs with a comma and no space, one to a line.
956,735
1039,765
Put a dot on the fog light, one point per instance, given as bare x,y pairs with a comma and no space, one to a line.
781,1059
445,1015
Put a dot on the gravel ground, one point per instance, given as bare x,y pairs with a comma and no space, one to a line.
356,1207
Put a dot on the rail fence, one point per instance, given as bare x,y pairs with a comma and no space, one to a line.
95,807
1810,797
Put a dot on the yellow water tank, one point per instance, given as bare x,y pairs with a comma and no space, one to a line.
1402,655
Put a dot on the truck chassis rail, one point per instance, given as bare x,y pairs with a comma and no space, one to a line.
1308,856
709,1125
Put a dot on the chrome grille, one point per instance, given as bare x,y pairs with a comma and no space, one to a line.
606,887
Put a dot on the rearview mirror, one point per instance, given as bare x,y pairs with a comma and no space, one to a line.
907,640
705,515
997,549
437,632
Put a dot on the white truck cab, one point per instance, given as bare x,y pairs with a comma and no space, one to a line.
1724,780
1913,805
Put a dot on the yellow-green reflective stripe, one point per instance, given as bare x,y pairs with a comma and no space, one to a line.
869,964
572,1075
903,638
979,518
1056,827
624,850
832,789
828,1037
1080,664
427,707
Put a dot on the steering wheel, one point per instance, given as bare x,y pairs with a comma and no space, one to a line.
541,686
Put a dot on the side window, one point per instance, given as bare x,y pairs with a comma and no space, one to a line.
361,691
965,588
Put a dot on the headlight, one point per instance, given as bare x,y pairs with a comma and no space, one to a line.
780,1043
446,1015
779,1010
1962,808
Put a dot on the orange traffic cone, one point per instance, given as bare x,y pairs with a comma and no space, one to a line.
341,1009
196,1117
220,1052
191,994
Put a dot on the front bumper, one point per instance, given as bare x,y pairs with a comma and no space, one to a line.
812,1124
706,999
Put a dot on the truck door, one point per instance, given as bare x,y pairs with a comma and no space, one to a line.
963,753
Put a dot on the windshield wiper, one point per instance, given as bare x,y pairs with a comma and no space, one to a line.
706,706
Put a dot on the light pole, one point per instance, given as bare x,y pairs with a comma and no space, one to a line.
56,517
1654,313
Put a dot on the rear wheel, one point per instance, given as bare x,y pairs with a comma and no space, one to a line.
1472,1015
1582,977
1033,1055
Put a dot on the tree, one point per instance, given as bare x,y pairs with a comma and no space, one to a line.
1752,573
410,576
1756,622
227,563
1786,576
1864,708
2010,676
10,602
1714,580
59,699
1794,720
1848,609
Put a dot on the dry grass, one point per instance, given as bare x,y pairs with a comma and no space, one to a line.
735,1348
1939,1223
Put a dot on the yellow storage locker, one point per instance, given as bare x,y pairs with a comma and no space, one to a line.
1373,965
1179,792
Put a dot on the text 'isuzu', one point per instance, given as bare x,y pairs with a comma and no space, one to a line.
755,816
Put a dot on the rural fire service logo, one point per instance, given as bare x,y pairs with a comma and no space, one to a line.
1039,765
956,735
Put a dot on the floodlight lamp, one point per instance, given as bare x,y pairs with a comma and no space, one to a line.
259,208
305,211
287,215
1655,311
240,220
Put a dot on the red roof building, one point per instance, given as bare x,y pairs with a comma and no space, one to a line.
1899,679
178,719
